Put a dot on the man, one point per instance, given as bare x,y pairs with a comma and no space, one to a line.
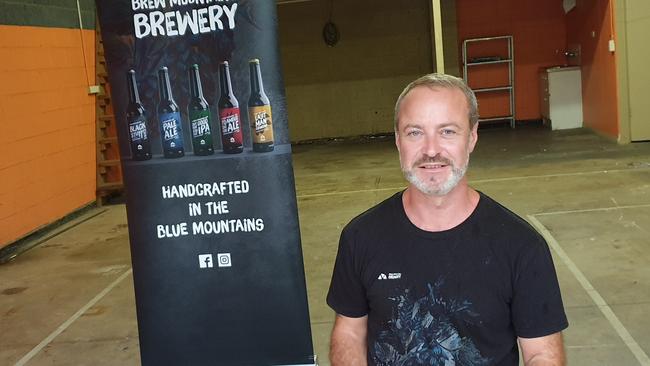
441,274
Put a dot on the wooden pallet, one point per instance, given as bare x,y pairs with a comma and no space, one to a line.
109,170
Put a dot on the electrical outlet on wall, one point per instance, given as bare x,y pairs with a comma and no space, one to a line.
575,50
93,89
611,45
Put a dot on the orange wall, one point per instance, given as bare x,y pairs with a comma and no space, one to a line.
539,34
599,100
47,144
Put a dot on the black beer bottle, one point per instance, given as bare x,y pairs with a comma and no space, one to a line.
169,117
229,117
198,111
259,111
137,121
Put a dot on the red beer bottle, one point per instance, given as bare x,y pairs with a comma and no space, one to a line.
229,117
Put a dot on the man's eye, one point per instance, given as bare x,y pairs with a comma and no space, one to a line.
414,133
447,131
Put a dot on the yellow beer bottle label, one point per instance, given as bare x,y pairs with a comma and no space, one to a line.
261,124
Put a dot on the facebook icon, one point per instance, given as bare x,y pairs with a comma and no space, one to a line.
205,261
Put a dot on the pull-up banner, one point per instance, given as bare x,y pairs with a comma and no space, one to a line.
197,93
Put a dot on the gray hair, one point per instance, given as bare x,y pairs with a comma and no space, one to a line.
434,81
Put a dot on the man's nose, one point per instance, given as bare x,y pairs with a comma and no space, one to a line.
431,145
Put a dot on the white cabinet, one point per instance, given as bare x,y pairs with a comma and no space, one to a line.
561,97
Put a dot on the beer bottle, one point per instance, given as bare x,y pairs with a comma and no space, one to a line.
169,117
137,121
259,111
229,116
199,114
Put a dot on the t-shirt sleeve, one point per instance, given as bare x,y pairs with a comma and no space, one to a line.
347,295
537,308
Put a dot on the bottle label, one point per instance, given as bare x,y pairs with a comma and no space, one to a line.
231,133
200,122
138,131
261,124
170,128
201,135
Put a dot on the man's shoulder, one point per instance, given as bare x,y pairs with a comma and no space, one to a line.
499,219
377,216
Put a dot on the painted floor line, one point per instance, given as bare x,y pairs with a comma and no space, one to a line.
613,208
71,320
625,335
350,192
595,346
593,172
490,180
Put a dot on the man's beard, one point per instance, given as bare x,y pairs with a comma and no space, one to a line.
432,187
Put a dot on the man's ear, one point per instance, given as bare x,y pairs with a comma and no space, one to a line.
397,140
473,137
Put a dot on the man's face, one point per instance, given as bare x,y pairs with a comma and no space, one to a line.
434,138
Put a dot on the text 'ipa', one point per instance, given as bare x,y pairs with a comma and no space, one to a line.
169,118
259,111
137,122
229,116
198,111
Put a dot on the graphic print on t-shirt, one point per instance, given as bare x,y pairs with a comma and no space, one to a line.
422,332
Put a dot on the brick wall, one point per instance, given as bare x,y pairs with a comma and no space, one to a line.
599,94
47,147
539,32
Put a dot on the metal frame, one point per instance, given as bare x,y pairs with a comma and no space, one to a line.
511,74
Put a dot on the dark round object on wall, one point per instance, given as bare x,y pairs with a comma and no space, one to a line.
331,34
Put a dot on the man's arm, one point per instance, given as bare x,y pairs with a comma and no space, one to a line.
348,344
543,351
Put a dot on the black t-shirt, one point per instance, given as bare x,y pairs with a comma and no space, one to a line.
459,296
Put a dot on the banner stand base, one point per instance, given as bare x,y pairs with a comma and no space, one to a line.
306,364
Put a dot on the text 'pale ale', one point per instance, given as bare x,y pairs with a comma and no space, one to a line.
169,117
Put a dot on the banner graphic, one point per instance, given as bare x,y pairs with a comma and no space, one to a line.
198,96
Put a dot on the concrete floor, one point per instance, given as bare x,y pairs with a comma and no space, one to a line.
69,301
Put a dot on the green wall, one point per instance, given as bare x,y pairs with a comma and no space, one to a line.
47,13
